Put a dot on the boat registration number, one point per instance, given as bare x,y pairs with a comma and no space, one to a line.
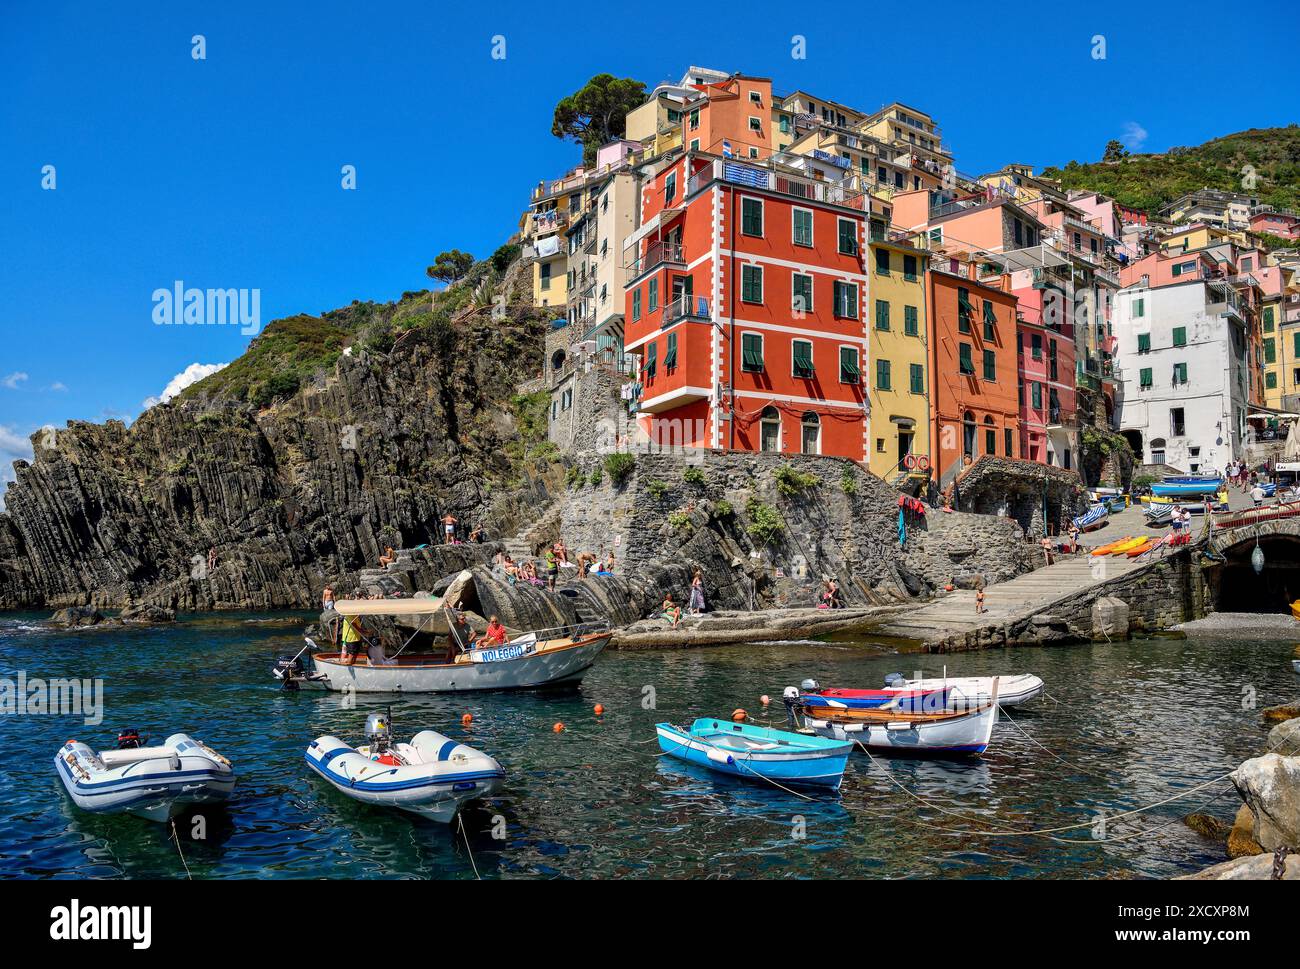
502,653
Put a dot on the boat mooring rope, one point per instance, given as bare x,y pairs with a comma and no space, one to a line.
460,823
177,838
1002,712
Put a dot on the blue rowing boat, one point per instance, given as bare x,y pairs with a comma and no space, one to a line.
753,752
1178,487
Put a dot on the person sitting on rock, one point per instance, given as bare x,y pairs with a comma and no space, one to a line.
476,534
388,558
671,611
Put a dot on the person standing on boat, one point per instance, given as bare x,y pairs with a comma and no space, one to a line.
353,634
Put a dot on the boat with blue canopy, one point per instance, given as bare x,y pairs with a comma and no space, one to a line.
753,752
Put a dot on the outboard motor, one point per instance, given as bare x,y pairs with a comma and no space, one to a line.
810,686
790,697
128,739
378,732
289,670
895,679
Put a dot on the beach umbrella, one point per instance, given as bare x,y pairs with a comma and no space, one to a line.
1291,447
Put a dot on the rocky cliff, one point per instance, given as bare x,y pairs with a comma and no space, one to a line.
294,467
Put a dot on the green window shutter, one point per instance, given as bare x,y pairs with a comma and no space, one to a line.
654,296
636,304
803,227
1036,394
1180,373
911,326
803,359
963,310
1180,336
1144,343
670,355
849,372
1295,350
909,268
848,236
802,288
751,217
1268,319
882,314
1144,378
1270,351
990,321
918,378
882,262
785,124
1270,380
882,374
846,300
751,284
751,351
965,364
990,365
651,360
1139,307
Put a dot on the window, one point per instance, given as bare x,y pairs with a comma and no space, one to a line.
1144,379
990,437
670,188
990,365
1180,373
1006,435
917,378
965,363
909,268
1139,307
849,372
1177,426
654,296
882,262
695,144
785,124
802,356
990,322
1270,350
695,118
1270,380
882,374
1144,343
910,325
802,227
756,124
756,97
651,360
801,293
751,217
811,439
1036,395
751,284
1180,336
1268,319
1051,361
751,352
963,310
882,314
846,300
636,304
1036,346
848,237
1158,451
670,355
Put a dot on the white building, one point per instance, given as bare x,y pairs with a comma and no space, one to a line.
1184,361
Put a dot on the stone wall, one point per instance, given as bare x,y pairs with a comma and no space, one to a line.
1005,486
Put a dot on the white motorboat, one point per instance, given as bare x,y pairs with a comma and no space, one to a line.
896,727
965,692
431,776
524,662
157,783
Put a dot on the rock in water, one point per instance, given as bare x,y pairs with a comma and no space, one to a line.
1270,785
77,616
147,614
1241,839
1284,739
1257,868
1281,712
1208,826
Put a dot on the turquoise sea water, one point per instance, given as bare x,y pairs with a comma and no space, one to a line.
1127,725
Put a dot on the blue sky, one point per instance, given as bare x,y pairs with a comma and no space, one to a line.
225,172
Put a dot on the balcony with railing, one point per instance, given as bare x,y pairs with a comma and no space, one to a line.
687,307
773,179
657,254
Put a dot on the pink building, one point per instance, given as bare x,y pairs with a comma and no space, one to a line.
1284,224
1046,363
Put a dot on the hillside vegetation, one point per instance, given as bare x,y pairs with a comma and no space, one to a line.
1150,181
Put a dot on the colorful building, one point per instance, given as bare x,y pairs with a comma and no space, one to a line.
975,407
898,354
1046,354
744,300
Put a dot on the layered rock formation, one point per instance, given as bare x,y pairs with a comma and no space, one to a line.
212,501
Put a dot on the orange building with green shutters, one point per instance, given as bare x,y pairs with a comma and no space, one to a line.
974,394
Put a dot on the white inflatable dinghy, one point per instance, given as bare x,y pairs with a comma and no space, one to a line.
157,783
431,776
970,692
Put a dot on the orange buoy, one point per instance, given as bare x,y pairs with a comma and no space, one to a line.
765,699
558,728
466,719
738,714
947,588
598,709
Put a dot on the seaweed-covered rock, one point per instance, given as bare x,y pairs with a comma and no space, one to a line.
147,614
75,617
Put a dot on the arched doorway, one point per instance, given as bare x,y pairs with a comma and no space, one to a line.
557,360
1157,450
811,441
1134,438
769,430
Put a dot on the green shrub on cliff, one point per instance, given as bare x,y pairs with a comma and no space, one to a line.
790,482
849,482
765,522
657,489
722,508
618,466
680,521
693,475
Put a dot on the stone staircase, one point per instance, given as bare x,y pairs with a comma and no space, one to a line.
525,543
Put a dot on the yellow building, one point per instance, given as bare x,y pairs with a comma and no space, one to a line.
898,376
909,129
1199,236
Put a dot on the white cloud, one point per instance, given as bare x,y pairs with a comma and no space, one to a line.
14,379
1135,136
12,447
58,385
190,375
